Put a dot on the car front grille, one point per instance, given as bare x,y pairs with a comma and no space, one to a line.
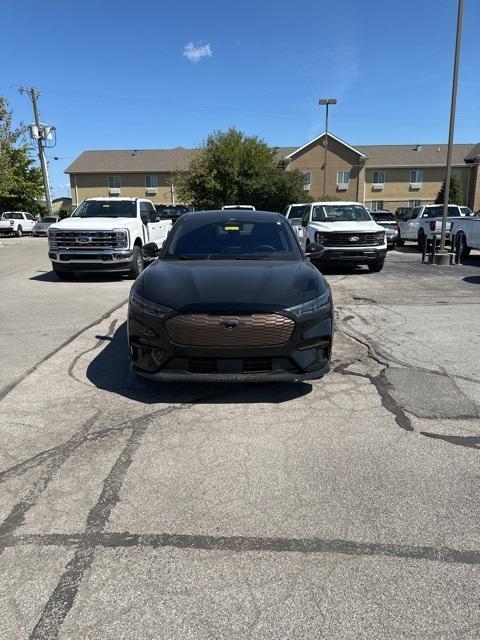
350,239
86,240
255,330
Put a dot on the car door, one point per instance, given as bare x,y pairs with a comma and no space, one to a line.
302,228
409,228
157,229
29,222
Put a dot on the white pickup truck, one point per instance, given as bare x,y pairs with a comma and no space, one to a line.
347,233
465,233
105,234
294,213
16,222
425,220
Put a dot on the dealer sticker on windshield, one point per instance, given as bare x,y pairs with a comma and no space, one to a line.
231,228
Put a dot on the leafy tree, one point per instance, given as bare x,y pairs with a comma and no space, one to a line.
20,180
232,168
455,193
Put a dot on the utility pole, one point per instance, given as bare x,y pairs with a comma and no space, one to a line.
440,258
326,102
41,136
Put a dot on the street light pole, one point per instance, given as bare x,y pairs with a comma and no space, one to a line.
326,102
452,125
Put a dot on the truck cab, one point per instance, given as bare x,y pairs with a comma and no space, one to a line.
105,234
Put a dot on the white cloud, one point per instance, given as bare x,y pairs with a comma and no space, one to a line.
196,53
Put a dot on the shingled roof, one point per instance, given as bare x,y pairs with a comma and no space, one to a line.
178,159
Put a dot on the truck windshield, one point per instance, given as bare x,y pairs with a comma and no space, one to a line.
297,210
340,213
106,209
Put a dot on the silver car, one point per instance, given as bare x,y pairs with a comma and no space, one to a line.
40,228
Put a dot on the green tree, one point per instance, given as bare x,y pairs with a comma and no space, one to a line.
20,180
232,168
455,193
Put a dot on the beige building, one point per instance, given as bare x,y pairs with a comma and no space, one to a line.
380,176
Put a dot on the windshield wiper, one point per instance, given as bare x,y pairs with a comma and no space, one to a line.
252,257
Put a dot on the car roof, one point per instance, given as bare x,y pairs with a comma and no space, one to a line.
234,214
335,202
114,198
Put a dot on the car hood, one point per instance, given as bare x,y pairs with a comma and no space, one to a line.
347,227
218,285
92,224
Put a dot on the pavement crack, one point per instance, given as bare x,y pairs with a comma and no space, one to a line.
97,345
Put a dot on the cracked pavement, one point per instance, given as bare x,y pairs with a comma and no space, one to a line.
346,508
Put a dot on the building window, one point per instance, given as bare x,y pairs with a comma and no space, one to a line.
416,176
414,203
308,180
343,178
114,182
378,177
151,182
377,205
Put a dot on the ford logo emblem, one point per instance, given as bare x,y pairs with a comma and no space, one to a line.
83,239
230,325
354,238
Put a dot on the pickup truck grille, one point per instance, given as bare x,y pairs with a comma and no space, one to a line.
86,240
351,239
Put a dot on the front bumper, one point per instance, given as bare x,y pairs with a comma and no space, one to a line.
91,259
305,356
359,255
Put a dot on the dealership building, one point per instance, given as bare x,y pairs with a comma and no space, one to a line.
380,176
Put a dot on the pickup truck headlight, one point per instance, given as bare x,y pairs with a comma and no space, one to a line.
311,306
139,303
380,237
121,238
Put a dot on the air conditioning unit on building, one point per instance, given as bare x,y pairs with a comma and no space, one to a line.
415,185
306,187
151,191
114,191
342,186
377,186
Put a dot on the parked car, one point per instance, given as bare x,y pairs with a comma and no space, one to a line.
387,220
105,234
241,207
416,224
346,231
465,234
171,211
294,213
400,212
231,299
40,228
16,222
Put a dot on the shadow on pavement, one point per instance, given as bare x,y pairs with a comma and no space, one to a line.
110,370
472,279
49,276
471,442
408,248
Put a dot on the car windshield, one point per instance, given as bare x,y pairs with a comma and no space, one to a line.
229,239
47,219
11,216
340,213
297,210
437,212
384,216
106,209
168,212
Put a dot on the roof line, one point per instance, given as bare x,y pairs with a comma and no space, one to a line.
330,135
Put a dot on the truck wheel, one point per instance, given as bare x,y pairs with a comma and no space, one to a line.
464,248
375,267
137,263
18,232
421,240
400,242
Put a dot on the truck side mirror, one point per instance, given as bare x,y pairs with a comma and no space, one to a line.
150,250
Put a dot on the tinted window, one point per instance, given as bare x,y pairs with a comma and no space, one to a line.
339,213
12,216
106,209
48,219
437,212
232,239
378,215
297,211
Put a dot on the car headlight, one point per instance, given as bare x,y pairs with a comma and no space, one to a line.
121,237
139,303
380,237
311,306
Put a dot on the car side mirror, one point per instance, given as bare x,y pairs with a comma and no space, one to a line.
315,250
150,250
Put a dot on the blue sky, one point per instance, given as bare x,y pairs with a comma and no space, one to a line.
115,74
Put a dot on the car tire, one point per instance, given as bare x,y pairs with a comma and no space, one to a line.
400,242
138,263
18,232
464,248
377,266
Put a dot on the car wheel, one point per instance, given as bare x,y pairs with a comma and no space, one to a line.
420,241
138,263
375,267
464,248
400,242
18,232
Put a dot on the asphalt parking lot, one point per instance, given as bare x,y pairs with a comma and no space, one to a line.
346,508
